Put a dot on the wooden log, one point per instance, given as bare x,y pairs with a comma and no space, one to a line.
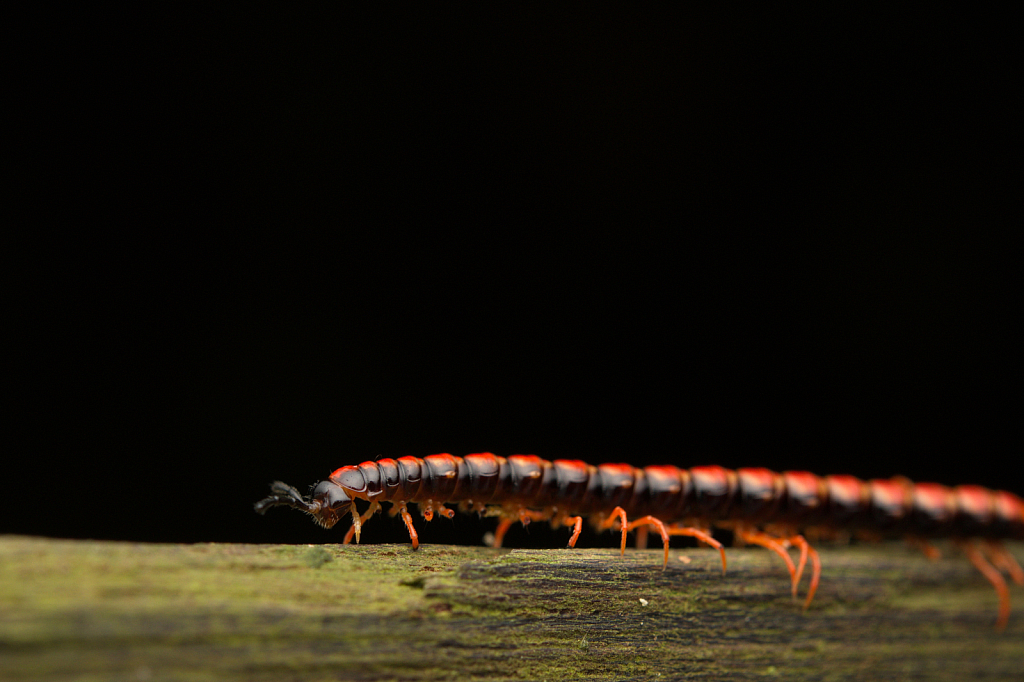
78,610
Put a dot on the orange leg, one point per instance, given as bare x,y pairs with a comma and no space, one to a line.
805,550
651,521
528,515
428,508
1005,561
617,514
701,535
525,517
815,576
927,548
499,532
577,525
407,517
358,521
803,546
994,577
764,540
641,537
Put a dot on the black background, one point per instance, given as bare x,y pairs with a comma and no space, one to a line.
258,246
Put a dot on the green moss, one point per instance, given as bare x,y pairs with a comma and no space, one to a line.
317,557
84,610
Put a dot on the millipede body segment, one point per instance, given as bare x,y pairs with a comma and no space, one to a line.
760,506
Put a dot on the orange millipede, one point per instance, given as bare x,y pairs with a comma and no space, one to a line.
676,501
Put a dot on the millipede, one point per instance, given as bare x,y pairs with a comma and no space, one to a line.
760,506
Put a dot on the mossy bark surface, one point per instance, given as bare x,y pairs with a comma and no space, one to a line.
87,610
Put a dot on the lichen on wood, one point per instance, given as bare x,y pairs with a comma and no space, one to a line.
85,610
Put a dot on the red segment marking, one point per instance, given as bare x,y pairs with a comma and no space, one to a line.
889,494
413,468
804,484
484,463
848,492
389,468
935,499
481,477
529,464
665,489
1008,506
758,488
349,478
568,482
572,470
806,495
444,472
663,478
527,475
442,464
766,483
711,479
974,501
617,483
713,487
756,478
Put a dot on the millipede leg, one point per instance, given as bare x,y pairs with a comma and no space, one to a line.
928,549
768,542
524,515
429,507
702,536
641,537
994,577
1005,561
577,525
815,576
651,521
528,515
620,514
804,547
815,570
407,517
499,533
357,521
355,528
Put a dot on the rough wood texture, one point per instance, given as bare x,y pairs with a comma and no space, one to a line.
83,610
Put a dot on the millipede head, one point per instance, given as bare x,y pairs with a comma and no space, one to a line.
326,503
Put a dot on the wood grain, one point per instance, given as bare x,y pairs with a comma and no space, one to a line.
87,610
